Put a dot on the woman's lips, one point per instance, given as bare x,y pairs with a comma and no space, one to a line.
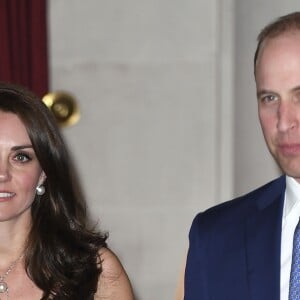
6,195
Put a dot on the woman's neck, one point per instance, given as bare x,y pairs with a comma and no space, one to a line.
13,235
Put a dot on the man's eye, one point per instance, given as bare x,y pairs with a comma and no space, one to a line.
268,98
22,157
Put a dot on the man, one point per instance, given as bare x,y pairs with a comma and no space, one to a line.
242,249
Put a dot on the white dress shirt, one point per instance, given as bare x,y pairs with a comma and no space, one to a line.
290,218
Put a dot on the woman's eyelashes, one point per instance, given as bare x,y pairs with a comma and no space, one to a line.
22,157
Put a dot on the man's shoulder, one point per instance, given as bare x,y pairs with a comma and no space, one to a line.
240,207
263,194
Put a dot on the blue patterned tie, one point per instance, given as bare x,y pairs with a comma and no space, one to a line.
294,292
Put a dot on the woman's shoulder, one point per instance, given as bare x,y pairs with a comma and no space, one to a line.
113,282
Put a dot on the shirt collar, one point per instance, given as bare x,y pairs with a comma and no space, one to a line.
292,193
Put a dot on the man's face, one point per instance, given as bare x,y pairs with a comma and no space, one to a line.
278,91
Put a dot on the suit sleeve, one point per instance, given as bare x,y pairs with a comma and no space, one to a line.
195,272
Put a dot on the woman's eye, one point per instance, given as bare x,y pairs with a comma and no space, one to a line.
22,157
297,96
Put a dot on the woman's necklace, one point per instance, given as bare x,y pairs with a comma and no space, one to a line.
3,284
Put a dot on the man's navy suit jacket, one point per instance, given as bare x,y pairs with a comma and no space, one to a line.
234,251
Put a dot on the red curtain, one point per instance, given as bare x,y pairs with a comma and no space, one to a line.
23,44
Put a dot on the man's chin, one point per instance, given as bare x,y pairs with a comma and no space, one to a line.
292,172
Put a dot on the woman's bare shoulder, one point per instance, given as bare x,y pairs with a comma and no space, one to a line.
113,283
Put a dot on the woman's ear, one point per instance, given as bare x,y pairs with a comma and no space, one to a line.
42,178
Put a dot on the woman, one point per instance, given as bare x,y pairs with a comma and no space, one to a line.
48,250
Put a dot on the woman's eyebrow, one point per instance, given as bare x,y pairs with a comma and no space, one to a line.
15,148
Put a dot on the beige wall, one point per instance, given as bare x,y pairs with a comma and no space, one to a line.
169,124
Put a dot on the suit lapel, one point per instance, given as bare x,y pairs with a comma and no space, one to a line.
263,236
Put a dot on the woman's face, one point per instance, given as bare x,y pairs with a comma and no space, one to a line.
20,171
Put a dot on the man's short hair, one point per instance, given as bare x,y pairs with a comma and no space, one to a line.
289,22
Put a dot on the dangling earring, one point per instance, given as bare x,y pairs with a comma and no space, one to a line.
40,190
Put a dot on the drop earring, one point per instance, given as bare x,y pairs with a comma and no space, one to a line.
40,190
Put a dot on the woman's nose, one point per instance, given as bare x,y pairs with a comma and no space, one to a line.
4,171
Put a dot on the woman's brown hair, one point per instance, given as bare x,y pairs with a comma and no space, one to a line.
61,255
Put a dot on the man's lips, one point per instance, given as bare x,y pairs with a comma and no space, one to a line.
289,149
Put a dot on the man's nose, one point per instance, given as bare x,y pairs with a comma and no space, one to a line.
287,116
